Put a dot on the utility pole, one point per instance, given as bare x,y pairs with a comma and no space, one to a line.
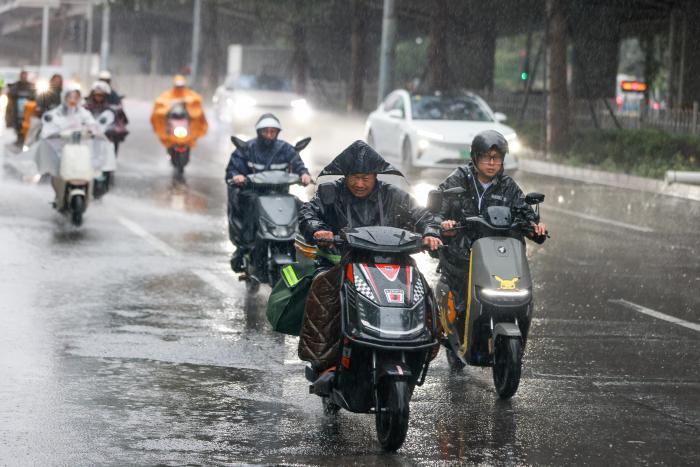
386,55
104,45
196,32
45,36
88,39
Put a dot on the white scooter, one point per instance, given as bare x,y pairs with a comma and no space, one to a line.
73,185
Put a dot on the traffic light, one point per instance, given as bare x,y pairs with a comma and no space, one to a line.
524,66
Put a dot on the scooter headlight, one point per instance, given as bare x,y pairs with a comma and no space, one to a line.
391,322
180,132
278,231
503,296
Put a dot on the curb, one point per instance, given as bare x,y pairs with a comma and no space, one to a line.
678,190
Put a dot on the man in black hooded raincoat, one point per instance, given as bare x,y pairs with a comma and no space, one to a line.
357,199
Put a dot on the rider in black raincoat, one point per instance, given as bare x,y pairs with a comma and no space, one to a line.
356,200
486,185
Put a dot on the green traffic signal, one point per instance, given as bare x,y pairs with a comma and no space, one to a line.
523,76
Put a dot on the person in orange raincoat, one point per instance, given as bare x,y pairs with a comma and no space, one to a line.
180,93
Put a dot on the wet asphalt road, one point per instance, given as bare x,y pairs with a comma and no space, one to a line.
129,341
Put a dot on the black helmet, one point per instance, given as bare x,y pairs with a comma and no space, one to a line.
485,141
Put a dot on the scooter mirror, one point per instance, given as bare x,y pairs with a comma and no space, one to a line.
534,198
458,190
435,201
326,191
301,144
239,143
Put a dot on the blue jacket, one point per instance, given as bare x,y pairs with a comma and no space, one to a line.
279,156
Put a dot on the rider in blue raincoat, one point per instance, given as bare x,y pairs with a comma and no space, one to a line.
263,153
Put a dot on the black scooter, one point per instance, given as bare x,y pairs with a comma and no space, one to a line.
276,220
388,331
493,329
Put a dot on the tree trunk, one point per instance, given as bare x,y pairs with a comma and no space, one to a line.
300,60
558,98
358,55
437,47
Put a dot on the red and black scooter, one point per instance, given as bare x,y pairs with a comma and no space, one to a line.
388,331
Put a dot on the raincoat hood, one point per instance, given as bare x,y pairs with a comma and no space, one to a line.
358,158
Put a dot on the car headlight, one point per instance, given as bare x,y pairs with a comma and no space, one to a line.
301,109
514,145
180,132
243,106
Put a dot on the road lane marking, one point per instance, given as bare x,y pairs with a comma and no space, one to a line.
657,314
601,220
226,288
154,241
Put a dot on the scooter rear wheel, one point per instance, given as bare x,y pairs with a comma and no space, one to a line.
507,366
392,417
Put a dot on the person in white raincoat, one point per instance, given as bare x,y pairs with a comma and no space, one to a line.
70,116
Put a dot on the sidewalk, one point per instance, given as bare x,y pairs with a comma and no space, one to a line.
679,190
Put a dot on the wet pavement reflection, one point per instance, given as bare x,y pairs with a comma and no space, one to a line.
129,341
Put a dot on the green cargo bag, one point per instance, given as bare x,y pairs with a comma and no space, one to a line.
285,307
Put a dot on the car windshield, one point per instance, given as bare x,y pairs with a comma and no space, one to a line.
259,82
449,108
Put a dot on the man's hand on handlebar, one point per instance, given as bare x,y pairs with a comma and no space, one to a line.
433,243
447,226
539,229
324,238
238,179
305,179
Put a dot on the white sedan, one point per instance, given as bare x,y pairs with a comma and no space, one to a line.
434,130
241,100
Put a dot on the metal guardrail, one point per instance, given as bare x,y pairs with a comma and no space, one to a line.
589,115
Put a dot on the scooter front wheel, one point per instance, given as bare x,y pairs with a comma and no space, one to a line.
392,417
507,365
456,364
330,409
77,205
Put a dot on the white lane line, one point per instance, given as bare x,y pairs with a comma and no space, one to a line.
155,242
226,288
207,277
601,220
657,314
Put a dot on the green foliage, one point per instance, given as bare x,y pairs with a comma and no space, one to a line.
410,61
647,153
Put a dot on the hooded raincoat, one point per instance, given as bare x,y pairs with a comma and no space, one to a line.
63,119
387,205
193,104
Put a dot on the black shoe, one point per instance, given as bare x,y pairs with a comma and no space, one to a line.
238,261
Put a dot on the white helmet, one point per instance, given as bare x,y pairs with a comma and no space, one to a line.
101,87
104,75
70,87
268,121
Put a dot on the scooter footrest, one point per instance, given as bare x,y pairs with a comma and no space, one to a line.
310,374
322,386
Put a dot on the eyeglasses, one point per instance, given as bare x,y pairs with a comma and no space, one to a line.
491,159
